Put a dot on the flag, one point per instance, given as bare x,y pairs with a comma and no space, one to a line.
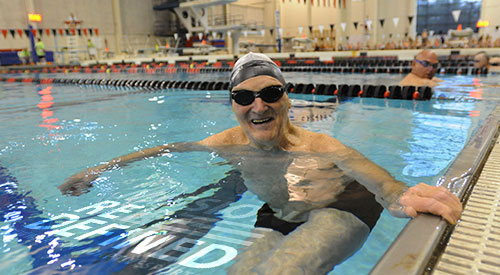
382,22
356,25
395,20
456,15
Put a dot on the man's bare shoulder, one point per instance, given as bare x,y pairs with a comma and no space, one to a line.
319,142
230,136
412,80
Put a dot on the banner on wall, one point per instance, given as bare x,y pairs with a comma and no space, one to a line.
331,27
27,32
4,32
382,22
47,31
395,20
85,32
355,25
96,31
456,15
342,25
310,29
20,32
271,31
410,19
321,28
368,24
300,30
54,32
40,32
13,33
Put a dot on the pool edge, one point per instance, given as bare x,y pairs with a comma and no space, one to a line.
416,245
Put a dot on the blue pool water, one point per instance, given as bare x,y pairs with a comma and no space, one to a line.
188,213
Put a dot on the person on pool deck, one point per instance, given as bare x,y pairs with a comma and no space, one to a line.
322,197
423,69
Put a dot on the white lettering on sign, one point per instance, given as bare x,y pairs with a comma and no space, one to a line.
98,207
229,254
81,225
230,211
71,219
124,209
102,231
146,244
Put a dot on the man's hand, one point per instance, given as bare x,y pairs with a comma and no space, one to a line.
79,183
431,199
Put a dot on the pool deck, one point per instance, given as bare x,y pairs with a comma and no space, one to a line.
474,244
428,245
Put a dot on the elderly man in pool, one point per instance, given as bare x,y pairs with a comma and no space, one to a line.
423,69
322,197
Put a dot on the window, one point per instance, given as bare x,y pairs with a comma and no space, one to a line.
436,15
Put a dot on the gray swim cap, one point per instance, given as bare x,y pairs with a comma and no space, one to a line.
252,65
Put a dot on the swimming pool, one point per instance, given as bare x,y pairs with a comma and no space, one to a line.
188,212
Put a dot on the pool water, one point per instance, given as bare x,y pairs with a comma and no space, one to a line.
189,213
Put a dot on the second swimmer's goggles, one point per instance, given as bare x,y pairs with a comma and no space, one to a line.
269,94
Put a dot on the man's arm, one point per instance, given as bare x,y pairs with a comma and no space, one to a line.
392,194
80,182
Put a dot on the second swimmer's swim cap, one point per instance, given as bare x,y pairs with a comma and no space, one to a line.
252,65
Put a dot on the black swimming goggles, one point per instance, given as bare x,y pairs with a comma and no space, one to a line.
426,64
269,94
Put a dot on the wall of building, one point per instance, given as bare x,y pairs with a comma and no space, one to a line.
489,11
137,22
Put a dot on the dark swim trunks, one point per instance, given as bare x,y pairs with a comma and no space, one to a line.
355,199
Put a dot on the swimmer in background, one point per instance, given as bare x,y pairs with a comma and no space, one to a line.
481,60
423,69
322,197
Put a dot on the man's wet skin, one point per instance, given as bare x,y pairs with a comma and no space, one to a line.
292,183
